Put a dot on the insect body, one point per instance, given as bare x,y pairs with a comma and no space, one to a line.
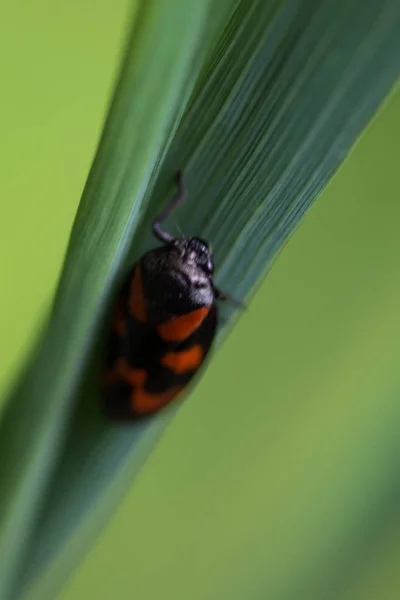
163,324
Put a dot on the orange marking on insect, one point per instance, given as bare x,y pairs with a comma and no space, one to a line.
144,402
119,323
136,377
179,328
137,300
186,360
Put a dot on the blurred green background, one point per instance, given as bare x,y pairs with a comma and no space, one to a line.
279,476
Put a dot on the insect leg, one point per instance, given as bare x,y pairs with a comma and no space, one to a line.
220,295
179,197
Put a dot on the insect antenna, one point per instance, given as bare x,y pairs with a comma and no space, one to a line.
179,197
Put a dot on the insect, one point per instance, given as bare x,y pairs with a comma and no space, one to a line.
163,324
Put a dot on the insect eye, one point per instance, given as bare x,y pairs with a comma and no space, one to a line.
210,266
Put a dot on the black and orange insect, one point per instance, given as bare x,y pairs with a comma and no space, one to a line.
163,325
